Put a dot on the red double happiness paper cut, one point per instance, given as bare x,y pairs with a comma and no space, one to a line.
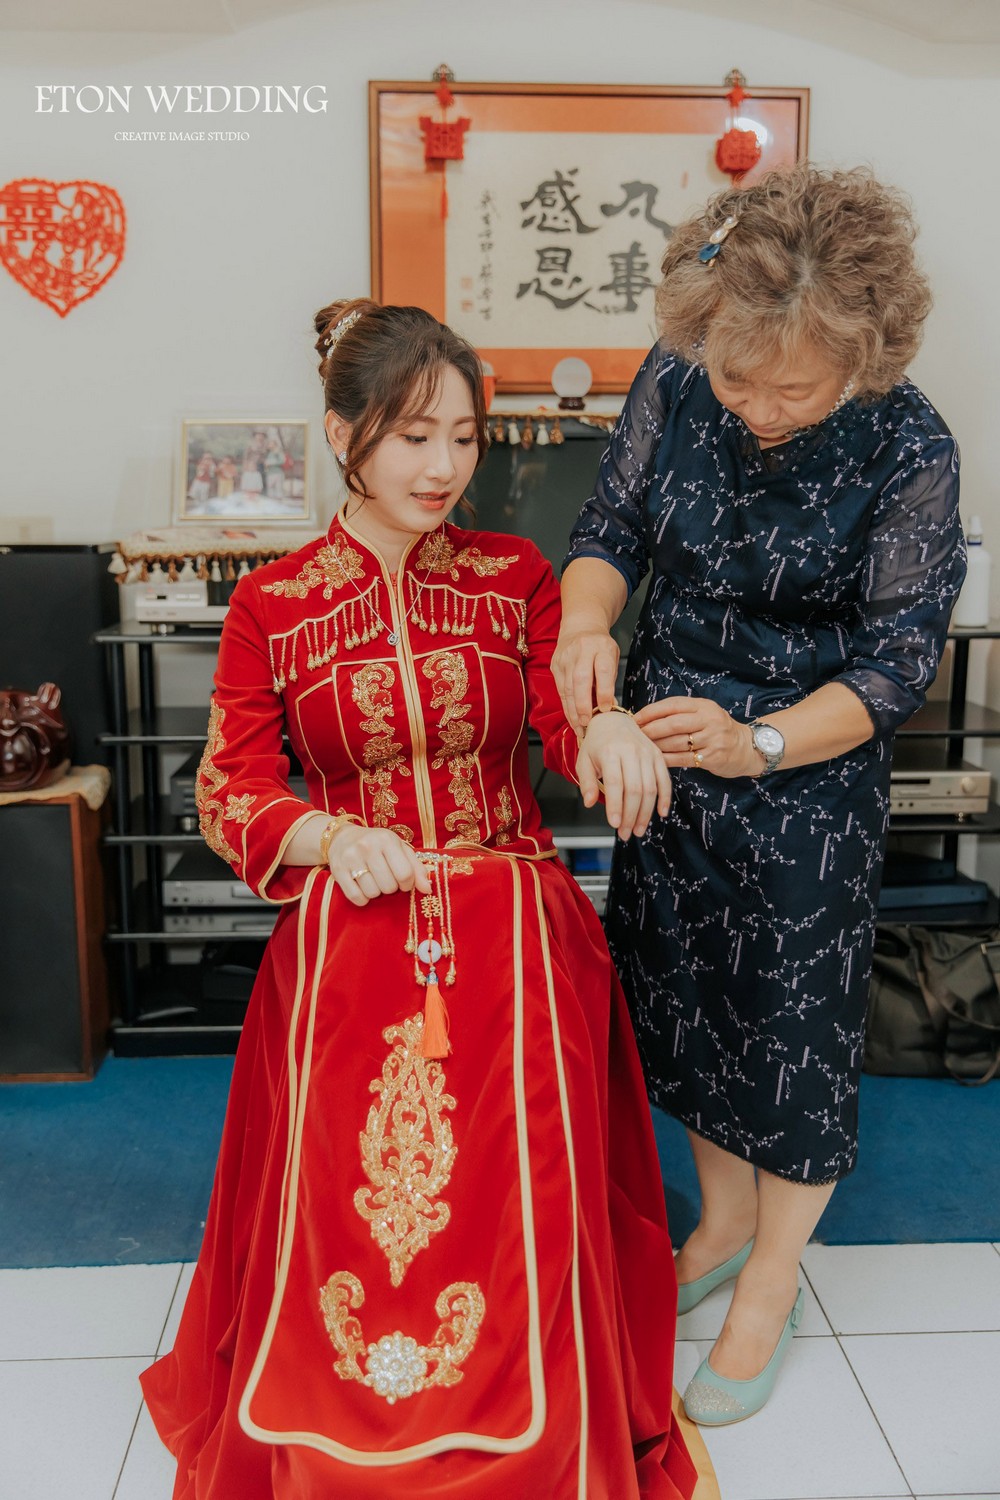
61,240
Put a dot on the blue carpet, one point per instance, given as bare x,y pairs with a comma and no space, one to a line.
928,1167
113,1172
119,1170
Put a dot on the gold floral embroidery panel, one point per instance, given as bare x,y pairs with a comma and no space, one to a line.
238,808
371,690
439,555
407,1151
396,1366
449,678
333,566
210,809
504,814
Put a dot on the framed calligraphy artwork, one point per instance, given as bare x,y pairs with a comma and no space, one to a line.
544,238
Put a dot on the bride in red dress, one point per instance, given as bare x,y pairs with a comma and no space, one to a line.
436,1261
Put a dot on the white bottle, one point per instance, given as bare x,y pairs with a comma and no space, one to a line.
973,607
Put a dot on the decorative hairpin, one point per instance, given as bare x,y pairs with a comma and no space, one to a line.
336,333
709,251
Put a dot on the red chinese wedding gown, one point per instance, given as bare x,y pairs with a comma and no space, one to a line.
446,1276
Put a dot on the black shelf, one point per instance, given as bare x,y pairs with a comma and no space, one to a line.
144,926
983,825
175,1039
175,1019
182,939
985,914
943,720
140,832
167,1010
130,633
168,726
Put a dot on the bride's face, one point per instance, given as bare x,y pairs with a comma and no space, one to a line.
420,470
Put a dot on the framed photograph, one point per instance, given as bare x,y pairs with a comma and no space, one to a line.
545,239
244,470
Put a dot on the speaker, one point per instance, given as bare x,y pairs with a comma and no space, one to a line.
52,600
54,1002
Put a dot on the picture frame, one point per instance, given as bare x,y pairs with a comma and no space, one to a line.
515,238
244,469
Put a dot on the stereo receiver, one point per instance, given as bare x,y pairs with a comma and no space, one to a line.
923,785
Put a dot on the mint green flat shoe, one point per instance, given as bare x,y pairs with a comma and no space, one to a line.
714,1401
690,1293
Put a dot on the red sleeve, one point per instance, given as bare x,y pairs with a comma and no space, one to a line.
545,711
247,812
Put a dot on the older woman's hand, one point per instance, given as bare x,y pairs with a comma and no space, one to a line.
617,755
585,665
697,732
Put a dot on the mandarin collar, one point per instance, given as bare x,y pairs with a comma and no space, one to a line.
340,527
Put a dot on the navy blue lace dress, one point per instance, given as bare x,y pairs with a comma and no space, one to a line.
742,924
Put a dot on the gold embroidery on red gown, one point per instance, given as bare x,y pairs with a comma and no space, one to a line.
210,810
315,641
396,1366
407,1151
439,555
238,808
504,815
371,689
333,566
449,677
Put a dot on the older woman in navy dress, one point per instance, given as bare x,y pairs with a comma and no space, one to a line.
795,499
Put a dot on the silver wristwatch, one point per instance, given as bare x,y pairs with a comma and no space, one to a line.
769,743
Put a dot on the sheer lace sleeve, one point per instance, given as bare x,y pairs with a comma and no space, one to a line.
610,526
914,569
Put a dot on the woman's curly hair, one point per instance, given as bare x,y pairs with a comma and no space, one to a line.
820,258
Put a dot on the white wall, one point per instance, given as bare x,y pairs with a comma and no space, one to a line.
231,247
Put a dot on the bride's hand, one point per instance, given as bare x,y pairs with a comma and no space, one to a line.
370,862
615,752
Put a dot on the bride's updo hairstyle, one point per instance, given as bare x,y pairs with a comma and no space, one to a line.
380,368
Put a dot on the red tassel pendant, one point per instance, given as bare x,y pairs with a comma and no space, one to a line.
435,1043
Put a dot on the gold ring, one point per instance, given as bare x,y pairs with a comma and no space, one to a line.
698,757
691,743
357,874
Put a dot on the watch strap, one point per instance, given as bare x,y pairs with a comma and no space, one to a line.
771,762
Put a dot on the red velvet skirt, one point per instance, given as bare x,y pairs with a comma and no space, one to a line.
451,1278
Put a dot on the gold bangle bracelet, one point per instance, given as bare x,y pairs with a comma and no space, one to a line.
326,837
616,708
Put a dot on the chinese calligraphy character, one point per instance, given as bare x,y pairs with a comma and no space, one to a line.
488,208
634,193
554,279
628,279
556,212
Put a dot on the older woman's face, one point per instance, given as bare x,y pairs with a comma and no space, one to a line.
777,398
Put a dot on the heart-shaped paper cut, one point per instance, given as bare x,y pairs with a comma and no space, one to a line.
61,240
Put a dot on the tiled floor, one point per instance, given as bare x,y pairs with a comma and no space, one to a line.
892,1387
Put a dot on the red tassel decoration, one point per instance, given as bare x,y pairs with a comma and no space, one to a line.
444,140
738,150
435,1043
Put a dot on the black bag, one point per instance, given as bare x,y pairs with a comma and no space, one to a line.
935,1004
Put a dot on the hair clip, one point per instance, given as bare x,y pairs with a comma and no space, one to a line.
336,333
709,251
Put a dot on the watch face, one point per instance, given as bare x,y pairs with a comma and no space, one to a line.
767,739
